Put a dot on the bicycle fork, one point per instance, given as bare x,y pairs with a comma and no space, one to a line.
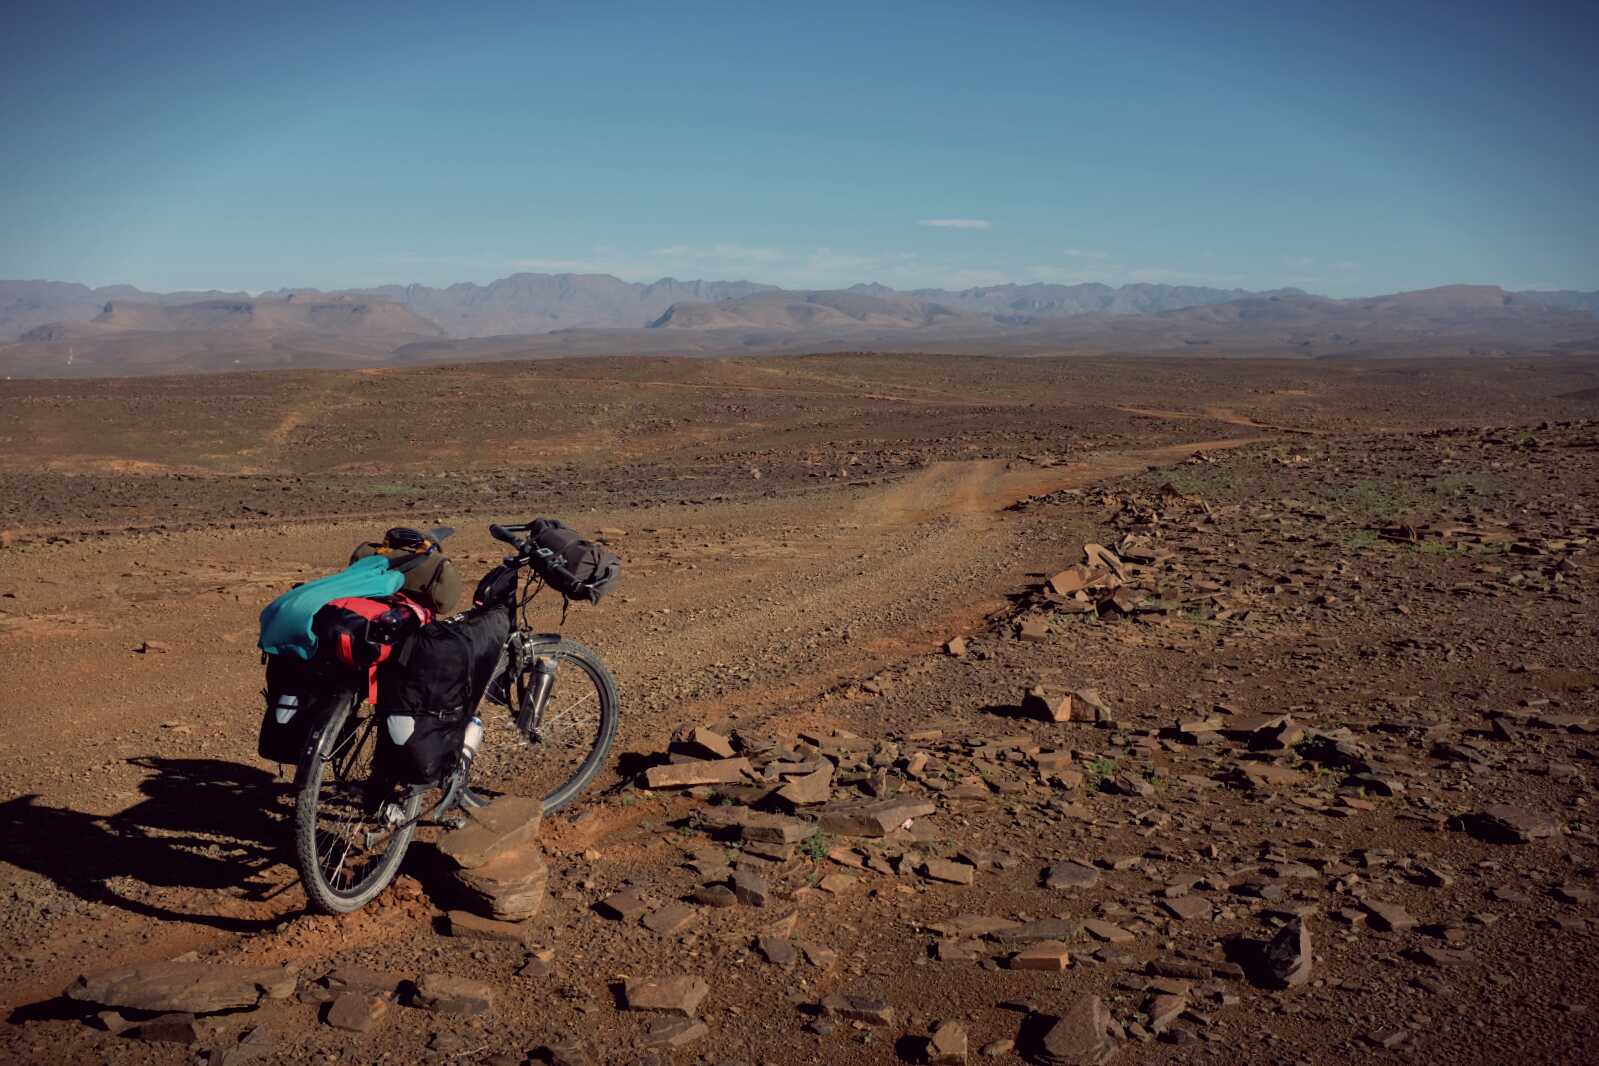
531,716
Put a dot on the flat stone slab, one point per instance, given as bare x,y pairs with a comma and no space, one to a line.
952,873
1109,932
364,980
356,1012
874,819
475,927
697,772
1070,874
447,994
671,919
623,905
1048,955
809,789
1034,931
776,829
509,823
1504,824
858,1009
674,1032
967,925
679,995
1188,908
187,987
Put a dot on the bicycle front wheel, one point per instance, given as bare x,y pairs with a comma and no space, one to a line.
351,828
568,744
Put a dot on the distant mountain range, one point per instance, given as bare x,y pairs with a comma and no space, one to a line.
63,328
544,303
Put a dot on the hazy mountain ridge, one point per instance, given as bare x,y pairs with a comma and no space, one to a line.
1050,300
543,303
151,335
141,336
25,305
529,303
1569,299
781,309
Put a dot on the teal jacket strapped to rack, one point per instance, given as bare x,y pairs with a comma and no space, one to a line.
286,622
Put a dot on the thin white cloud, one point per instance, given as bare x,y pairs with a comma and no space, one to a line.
956,223
1086,253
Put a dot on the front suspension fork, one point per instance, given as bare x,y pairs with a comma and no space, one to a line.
541,681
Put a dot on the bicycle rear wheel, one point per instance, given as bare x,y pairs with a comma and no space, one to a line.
351,828
569,742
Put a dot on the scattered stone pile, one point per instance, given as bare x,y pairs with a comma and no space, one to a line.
192,1002
496,880
1138,578
171,1002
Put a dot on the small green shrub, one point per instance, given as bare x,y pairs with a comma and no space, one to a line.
816,846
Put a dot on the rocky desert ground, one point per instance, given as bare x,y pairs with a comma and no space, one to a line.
974,709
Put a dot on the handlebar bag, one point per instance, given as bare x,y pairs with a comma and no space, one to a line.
577,568
497,588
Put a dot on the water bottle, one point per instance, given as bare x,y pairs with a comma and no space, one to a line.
473,740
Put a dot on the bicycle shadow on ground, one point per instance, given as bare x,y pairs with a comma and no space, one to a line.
205,826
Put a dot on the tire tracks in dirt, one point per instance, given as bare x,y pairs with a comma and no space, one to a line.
1224,415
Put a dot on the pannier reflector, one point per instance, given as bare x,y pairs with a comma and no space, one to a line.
401,726
285,709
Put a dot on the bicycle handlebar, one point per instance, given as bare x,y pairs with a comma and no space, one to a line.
508,534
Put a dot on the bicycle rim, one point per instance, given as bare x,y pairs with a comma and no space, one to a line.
574,734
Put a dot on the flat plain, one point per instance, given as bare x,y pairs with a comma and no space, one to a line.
1341,673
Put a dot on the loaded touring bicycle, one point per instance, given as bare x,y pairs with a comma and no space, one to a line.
394,711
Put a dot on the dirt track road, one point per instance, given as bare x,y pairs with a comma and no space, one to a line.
750,606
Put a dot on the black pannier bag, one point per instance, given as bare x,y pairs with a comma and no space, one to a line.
576,568
427,691
418,749
297,699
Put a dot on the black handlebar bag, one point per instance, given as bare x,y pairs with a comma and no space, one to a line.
577,568
429,689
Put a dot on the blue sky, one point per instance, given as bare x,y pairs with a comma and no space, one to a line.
1344,147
